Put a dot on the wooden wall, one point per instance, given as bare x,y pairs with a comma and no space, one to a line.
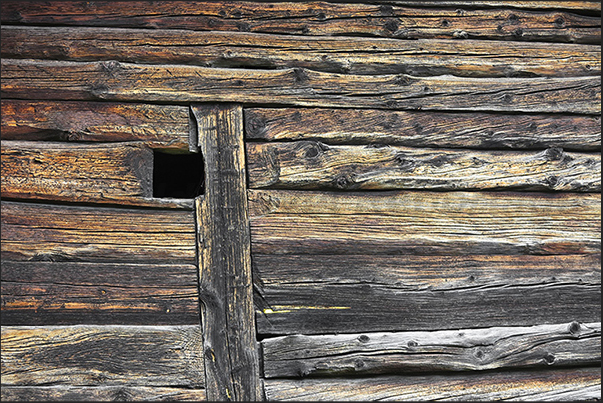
401,200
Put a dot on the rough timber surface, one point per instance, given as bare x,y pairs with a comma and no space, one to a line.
421,57
70,293
117,81
158,126
102,355
225,282
570,344
424,129
315,165
570,384
44,232
424,223
100,393
461,20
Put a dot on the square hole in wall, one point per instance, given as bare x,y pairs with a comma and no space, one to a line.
179,176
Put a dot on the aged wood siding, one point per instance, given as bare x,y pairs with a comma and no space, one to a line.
422,220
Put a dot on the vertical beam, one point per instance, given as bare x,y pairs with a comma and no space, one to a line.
230,348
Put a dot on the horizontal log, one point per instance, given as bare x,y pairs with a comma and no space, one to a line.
76,172
424,129
550,21
99,393
332,54
415,352
116,81
120,173
43,232
102,355
569,384
158,126
314,165
66,293
424,223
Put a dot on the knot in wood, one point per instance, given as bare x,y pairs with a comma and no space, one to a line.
364,338
574,327
255,125
344,181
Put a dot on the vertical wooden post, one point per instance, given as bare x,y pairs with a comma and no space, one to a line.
230,348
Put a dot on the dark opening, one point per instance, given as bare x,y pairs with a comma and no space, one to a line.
179,176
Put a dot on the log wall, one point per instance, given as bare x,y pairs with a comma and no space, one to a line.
398,200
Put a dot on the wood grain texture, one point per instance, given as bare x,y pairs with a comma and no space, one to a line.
581,384
67,293
424,129
74,172
226,293
415,352
331,54
42,232
116,81
158,126
315,165
550,21
102,356
424,223
100,393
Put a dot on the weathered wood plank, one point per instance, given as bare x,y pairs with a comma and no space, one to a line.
229,336
116,81
65,293
424,223
76,172
158,126
414,352
102,355
99,393
453,20
559,385
331,54
119,173
314,165
75,233
424,129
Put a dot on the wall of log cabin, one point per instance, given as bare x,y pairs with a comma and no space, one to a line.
401,200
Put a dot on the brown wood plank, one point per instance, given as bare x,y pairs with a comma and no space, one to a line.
76,233
314,165
76,172
571,384
67,293
158,126
331,54
116,81
424,129
100,393
550,21
119,173
415,352
102,355
424,223
229,345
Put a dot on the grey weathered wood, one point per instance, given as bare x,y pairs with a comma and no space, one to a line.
516,21
102,355
314,165
424,223
158,126
422,57
43,232
63,293
424,129
116,81
571,384
229,336
412,352
99,393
